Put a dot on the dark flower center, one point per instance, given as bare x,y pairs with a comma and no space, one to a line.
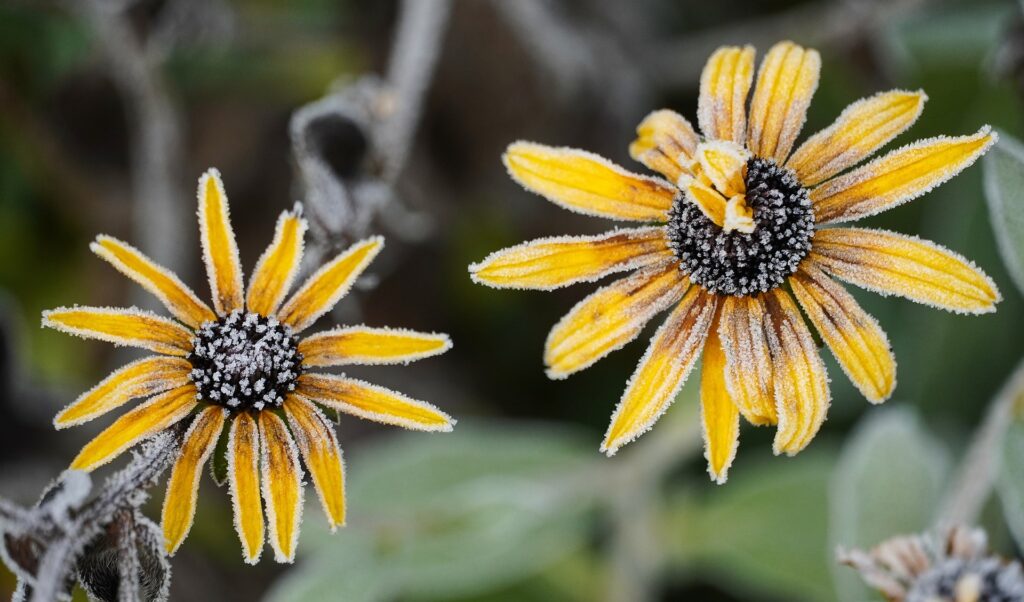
245,361
738,264
994,581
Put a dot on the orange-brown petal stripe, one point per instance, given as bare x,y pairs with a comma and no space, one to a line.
663,369
140,378
550,263
131,327
155,415
244,484
282,485
665,142
277,268
609,318
748,368
178,298
895,264
372,402
786,82
365,345
588,184
855,338
724,85
900,176
320,452
183,487
220,252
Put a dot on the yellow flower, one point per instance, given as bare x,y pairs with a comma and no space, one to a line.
242,363
738,224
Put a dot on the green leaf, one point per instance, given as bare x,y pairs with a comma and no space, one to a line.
888,481
444,516
1010,483
1004,189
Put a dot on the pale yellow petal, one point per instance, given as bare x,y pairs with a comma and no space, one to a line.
144,420
895,264
244,484
220,252
329,284
748,368
278,266
855,338
610,317
786,82
801,385
900,176
183,487
365,345
131,327
140,378
665,143
720,418
588,184
550,263
707,199
663,369
281,481
724,164
724,85
320,452
178,298
372,402
862,128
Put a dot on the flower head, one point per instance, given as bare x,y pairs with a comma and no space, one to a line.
742,234
954,565
244,367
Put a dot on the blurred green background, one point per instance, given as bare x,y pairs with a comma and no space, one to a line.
517,503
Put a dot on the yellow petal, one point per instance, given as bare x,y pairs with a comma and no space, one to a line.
155,415
801,385
178,298
183,486
282,485
748,367
220,253
588,184
720,418
320,452
665,143
738,215
724,164
896,264
365,345
854,337
140,378
554,262
372,402
900,176
244,484
724,85
132,327
277,267
610,317
786,82
329,284
707,199
663,369
862,128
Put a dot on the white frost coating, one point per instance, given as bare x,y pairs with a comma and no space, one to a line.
789,114
683,348
671,192
204,455
341,290
842,156
296,213
74,488
149,534
874,269
873,204
302,438
367,360
204,238
85,333
378,416
104,253
236,506
610,328
715,113
643,253
267,478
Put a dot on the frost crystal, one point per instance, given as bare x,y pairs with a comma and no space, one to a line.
738,264
245,361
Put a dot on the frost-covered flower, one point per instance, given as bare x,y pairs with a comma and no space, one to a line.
243,365
738,224
954,565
